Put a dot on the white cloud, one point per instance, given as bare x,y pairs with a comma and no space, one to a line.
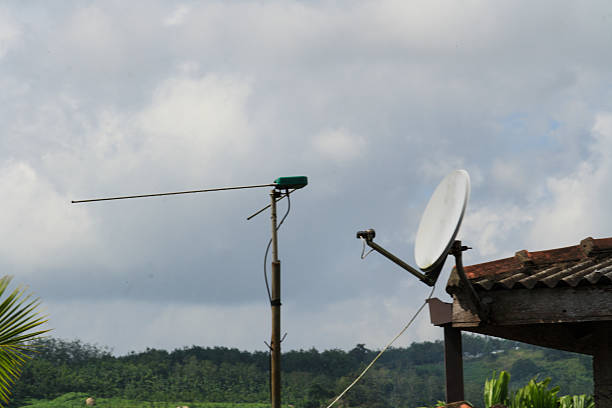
509,175
177,16
339,145
189,127
10,31
580,202
201,123
570,208
38,223
93,38
202,111
488,229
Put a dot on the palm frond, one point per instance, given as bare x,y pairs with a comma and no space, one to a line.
18,318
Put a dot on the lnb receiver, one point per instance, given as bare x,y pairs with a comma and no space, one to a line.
368,235
293,182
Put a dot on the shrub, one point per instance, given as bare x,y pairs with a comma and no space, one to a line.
496,390
536,394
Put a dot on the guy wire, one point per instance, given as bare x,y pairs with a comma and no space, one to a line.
383,350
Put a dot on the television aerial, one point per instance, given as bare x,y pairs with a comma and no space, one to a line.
281,187
437,231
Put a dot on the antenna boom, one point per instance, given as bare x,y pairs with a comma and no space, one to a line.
172,193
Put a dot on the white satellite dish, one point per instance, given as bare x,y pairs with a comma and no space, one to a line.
441,220
437,231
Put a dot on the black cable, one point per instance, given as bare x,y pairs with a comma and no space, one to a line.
266,272
270,243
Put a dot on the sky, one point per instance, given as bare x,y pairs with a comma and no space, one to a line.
374,101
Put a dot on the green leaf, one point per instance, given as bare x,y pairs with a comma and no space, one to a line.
576,401
496,389
18,318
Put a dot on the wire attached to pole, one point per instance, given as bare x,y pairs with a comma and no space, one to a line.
270,243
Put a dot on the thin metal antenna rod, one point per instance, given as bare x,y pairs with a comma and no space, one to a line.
173,193
269,205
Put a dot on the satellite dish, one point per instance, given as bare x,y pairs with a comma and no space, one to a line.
437,231
441,220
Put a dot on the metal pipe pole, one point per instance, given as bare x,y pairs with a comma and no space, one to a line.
275,341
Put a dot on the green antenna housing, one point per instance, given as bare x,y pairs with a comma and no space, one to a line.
294,182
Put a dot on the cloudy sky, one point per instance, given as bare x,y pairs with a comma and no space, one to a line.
375,101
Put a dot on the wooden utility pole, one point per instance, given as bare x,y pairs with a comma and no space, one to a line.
275,341
602,365
453,362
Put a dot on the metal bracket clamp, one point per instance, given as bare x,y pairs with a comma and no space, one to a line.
368,237
482,308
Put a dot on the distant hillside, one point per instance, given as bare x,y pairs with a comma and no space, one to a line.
403,377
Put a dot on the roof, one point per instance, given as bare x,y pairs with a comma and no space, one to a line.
588,263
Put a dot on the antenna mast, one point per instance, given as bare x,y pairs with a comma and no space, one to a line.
275,303
281,183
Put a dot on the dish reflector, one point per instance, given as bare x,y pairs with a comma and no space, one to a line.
441,220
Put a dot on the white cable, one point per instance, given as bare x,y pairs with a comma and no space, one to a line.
363,254
383,350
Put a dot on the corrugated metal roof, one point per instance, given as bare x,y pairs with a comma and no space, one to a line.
588,263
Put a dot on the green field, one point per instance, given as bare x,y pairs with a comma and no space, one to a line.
77,400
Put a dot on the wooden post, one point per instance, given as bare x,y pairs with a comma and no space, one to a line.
453,364
275,344
602,366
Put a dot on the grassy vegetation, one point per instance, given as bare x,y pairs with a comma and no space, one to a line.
77,400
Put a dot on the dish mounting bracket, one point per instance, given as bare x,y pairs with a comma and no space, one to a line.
429,277
481,308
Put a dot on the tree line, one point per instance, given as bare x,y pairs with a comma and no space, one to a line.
402,377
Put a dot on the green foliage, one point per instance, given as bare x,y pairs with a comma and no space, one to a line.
571,372
576,401
402,378
496,390
524,368
18,317
535,395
